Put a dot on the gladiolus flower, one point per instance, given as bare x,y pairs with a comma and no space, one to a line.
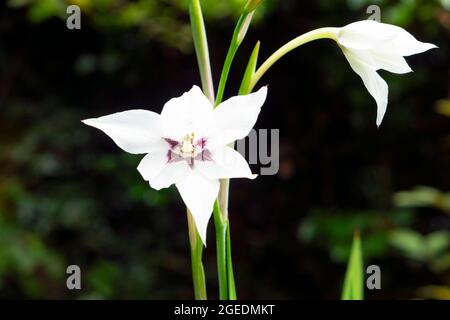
187,145
369,46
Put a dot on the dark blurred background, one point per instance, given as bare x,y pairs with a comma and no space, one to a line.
68,195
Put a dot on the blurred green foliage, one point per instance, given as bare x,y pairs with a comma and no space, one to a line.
423,196
164,20
334,230
432,248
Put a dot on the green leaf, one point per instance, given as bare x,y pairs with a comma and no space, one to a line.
249,71
354,281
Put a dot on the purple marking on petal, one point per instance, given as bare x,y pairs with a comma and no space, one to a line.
190,162
173,157
205,155
201,142
171,142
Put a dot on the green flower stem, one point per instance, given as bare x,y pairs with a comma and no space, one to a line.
225,269
201,48
227,288
221,247
231,285
322,33
198,273
238,36
202,52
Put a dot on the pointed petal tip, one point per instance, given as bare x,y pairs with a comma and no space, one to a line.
378,123
88,122
262,92
202,236
428,46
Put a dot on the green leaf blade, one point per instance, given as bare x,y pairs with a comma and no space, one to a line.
354,278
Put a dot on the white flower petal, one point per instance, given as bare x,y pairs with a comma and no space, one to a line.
192,112
135,131
380,59
376,86
385,37
171,173
226,163
153,163
406,44
199,194
389,61
234,118
366,34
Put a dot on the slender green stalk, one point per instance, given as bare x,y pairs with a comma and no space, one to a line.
221,247
224,265
238,36
202,52
322,33
198,273
230,273
201,48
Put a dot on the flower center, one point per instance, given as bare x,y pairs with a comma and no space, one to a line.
188,149
188,146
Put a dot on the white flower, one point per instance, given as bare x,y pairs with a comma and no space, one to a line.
369,46
186,145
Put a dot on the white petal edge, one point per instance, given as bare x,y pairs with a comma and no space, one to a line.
235,117
171,173
381,59
153,163
376,85
366,34
191,112
406,44
199,194
135,131
226,163
390,61
386,37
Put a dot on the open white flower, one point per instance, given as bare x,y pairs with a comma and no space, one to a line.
186,145
369,46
